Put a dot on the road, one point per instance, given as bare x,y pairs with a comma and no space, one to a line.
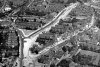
62,14
75,33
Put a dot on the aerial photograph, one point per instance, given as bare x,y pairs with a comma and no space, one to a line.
49,33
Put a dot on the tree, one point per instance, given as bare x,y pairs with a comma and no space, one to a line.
34,49
63,63
98,23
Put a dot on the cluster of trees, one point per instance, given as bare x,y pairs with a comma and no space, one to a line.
44,59
9,47
89,47
13,5
98,23
16,4
11,44
35,12
64,63
84,59
89,44
35,49
58,29
45,39
1,3
62,27
3,38
25,23
13,40
51,58
64,1
24,10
